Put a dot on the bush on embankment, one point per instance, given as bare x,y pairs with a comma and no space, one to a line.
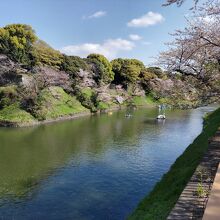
158,204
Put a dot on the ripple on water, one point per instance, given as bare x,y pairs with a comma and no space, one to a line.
91,168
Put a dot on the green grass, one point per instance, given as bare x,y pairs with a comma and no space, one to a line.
54,102
8,89
14,114
103,106
107,106
87,92
158,204
144,101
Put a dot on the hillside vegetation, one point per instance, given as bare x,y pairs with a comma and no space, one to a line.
39,83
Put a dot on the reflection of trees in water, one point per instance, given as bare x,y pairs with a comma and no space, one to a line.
29,155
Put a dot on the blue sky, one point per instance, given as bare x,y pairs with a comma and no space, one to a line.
116,28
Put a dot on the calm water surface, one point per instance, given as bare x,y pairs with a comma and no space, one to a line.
96,167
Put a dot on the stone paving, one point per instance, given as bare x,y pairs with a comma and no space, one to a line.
192,202
213,204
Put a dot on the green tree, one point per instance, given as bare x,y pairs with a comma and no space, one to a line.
127,70
116,68
102,67
73,64
46,55
156,70
16,41
145,77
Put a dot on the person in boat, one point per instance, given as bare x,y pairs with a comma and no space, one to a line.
161,115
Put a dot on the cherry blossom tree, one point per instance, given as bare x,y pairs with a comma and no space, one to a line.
196,47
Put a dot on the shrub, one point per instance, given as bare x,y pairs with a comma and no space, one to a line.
8,95
103,106
87,97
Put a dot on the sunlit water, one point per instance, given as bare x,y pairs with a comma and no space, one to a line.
96,167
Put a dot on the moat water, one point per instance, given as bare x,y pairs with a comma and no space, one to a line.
95,167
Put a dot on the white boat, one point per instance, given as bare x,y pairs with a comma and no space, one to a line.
161,116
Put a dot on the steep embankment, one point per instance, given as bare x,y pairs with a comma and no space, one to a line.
44,94
158,204
38,83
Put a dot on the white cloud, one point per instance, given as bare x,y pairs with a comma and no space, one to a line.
151,18
135,37
97,14
109,48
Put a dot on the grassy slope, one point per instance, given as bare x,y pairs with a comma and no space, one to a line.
14,114
161,200
12,111
54,102
144,101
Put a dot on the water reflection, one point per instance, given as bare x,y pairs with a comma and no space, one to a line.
90,168
28,154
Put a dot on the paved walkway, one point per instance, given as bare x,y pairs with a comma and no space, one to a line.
192,202
212,210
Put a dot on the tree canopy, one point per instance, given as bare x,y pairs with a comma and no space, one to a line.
127,70
16,40
197,46
73,64
20,43
102,66
46,55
